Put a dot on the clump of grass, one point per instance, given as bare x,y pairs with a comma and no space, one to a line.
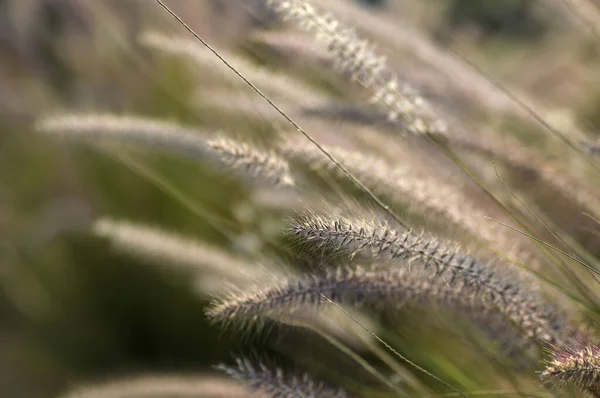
398,267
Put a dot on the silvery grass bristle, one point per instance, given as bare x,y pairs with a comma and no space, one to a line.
289,295
537,318
166,136
241,156
277,383
172,250
357,57
153,133
381,289
161,386
575,364
401,185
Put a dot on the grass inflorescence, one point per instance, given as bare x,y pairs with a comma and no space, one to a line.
278,383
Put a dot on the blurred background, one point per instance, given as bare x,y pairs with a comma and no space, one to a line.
72,310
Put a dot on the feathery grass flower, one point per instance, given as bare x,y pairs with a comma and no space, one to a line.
334,236
357,57
278,383
577,364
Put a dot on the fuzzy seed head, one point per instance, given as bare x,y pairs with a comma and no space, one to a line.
241,156
107,128
157,386
358,58
278,383
537,318
576,364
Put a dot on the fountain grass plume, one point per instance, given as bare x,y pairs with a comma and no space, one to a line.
160,386
126,129
241,156
279,383
170,250
576,364
350,286
357,58
401,185
537,318
169,137
380,289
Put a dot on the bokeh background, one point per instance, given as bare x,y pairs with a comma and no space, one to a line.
72,310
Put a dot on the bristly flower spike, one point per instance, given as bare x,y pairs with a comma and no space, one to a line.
358,58
538,320
576,364
241,156
278,383
169,137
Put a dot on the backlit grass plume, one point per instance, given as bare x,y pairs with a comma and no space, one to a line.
241,156
357,286
108,128
279,384
383,290
160,386
340,236
171,250
401,185
576,364
357,58
169,137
